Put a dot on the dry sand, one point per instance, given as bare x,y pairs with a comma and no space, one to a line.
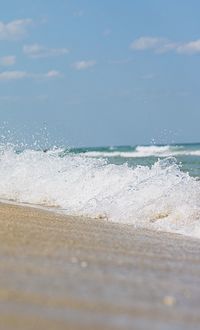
59,272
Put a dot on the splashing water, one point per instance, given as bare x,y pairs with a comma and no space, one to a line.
159,197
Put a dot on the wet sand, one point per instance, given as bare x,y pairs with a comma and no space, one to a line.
59,272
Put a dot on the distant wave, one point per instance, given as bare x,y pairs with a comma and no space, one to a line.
145,151
159,197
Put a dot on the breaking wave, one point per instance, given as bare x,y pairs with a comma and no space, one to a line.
159,197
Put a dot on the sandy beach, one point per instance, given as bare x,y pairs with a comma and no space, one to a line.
61,272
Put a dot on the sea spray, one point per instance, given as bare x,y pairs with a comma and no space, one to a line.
160,197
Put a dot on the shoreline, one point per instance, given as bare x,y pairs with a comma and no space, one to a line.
65,272
61,212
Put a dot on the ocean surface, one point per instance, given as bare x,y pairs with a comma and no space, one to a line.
155,187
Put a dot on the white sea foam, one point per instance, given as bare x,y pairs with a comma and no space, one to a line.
160,197
146,151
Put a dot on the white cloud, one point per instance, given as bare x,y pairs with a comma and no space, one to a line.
19,75
7,60
145,43
167,47
162,45
14,30
83,65
13,75
53,74
39,51
192,47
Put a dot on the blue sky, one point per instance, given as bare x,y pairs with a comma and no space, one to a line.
101,72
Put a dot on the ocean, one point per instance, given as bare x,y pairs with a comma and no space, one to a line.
153,186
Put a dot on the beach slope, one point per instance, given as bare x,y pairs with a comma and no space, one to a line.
62,272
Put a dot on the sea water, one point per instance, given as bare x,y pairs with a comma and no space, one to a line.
155,187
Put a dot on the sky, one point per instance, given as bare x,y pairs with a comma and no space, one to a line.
94,73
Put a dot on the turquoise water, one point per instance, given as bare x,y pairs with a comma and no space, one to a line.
187,155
